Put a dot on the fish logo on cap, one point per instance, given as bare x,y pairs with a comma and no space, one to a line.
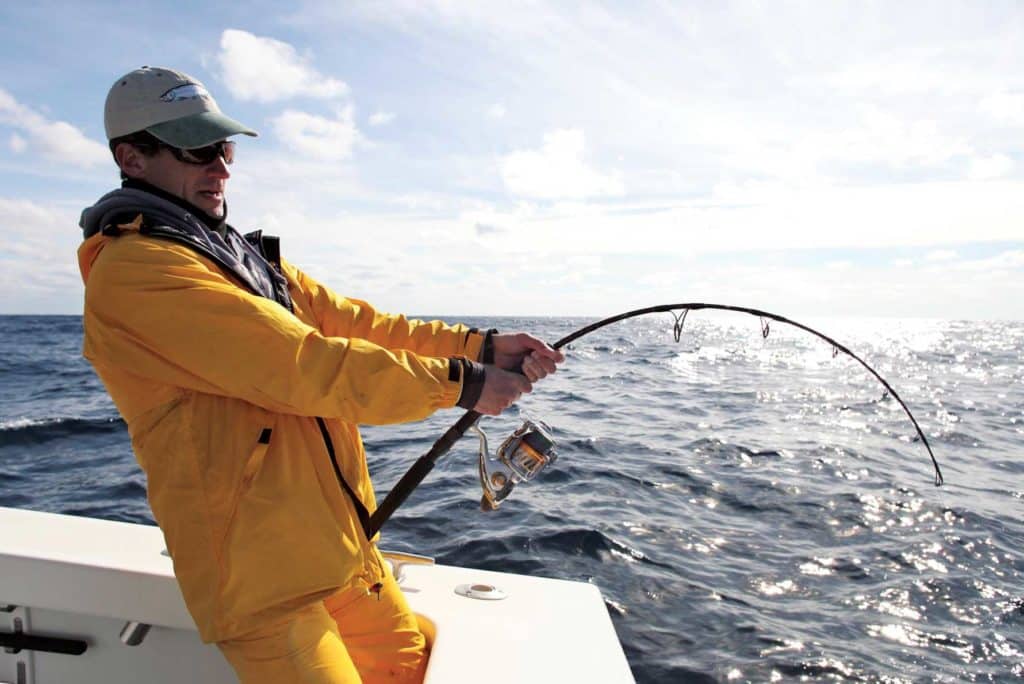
190,91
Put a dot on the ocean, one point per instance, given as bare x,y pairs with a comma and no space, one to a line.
751,509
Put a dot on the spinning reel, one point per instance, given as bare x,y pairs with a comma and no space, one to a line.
524,454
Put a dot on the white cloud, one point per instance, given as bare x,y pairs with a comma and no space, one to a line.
41,238
786,98
1004,107
994,166
900,74
268,70
424,202
557,170
56,140
350,252
1003,262
29,218
770,218
17,143
496,111
484,229
317,136
940,255
883,136
381,118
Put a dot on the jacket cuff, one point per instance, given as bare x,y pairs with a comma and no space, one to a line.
473,344
487,350
479,345
472,375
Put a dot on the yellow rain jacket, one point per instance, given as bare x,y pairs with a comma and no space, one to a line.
231,402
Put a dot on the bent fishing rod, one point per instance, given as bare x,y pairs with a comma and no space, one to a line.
529,449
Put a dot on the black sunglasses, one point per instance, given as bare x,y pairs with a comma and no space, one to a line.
204,155
201,156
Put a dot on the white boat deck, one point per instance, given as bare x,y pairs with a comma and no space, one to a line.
82,578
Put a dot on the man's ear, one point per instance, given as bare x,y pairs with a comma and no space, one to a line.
131,160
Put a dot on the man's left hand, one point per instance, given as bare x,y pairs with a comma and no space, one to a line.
522,351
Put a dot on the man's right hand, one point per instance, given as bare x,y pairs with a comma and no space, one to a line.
501,389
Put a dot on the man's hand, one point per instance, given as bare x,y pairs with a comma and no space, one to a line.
515,351
501,389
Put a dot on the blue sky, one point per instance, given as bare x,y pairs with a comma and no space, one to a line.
525,158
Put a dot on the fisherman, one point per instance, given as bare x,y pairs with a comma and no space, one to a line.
242,381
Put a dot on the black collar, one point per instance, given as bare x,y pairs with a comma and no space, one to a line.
212,222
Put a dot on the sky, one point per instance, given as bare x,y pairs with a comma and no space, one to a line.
559,158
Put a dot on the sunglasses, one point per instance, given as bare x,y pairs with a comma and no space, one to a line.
207,154
201,156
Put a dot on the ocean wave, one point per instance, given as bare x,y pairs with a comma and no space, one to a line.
28,431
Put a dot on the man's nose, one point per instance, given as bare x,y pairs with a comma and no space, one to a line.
218,168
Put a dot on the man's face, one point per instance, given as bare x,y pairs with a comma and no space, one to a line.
202,185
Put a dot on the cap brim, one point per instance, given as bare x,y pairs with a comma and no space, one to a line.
199,130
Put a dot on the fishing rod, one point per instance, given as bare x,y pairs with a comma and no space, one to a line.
530,448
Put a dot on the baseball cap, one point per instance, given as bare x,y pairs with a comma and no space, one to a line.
172,106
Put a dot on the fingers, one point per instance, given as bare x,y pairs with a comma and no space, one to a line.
541,359
511,350
536,366
523,384
540,347
501,390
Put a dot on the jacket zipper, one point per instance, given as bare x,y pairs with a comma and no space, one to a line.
364,515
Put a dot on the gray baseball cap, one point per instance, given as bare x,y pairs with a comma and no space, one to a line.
172,106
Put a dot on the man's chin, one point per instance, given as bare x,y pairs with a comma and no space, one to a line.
214,209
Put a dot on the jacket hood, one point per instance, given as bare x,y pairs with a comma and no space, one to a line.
123,204
91,248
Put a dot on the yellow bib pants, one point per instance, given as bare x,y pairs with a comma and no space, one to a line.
351,637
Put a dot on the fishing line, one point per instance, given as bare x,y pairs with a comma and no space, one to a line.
401,491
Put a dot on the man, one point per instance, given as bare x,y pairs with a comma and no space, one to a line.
242,382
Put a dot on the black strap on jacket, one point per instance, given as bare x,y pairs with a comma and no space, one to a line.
361,512
268,245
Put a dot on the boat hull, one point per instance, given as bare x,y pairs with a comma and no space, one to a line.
104,584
